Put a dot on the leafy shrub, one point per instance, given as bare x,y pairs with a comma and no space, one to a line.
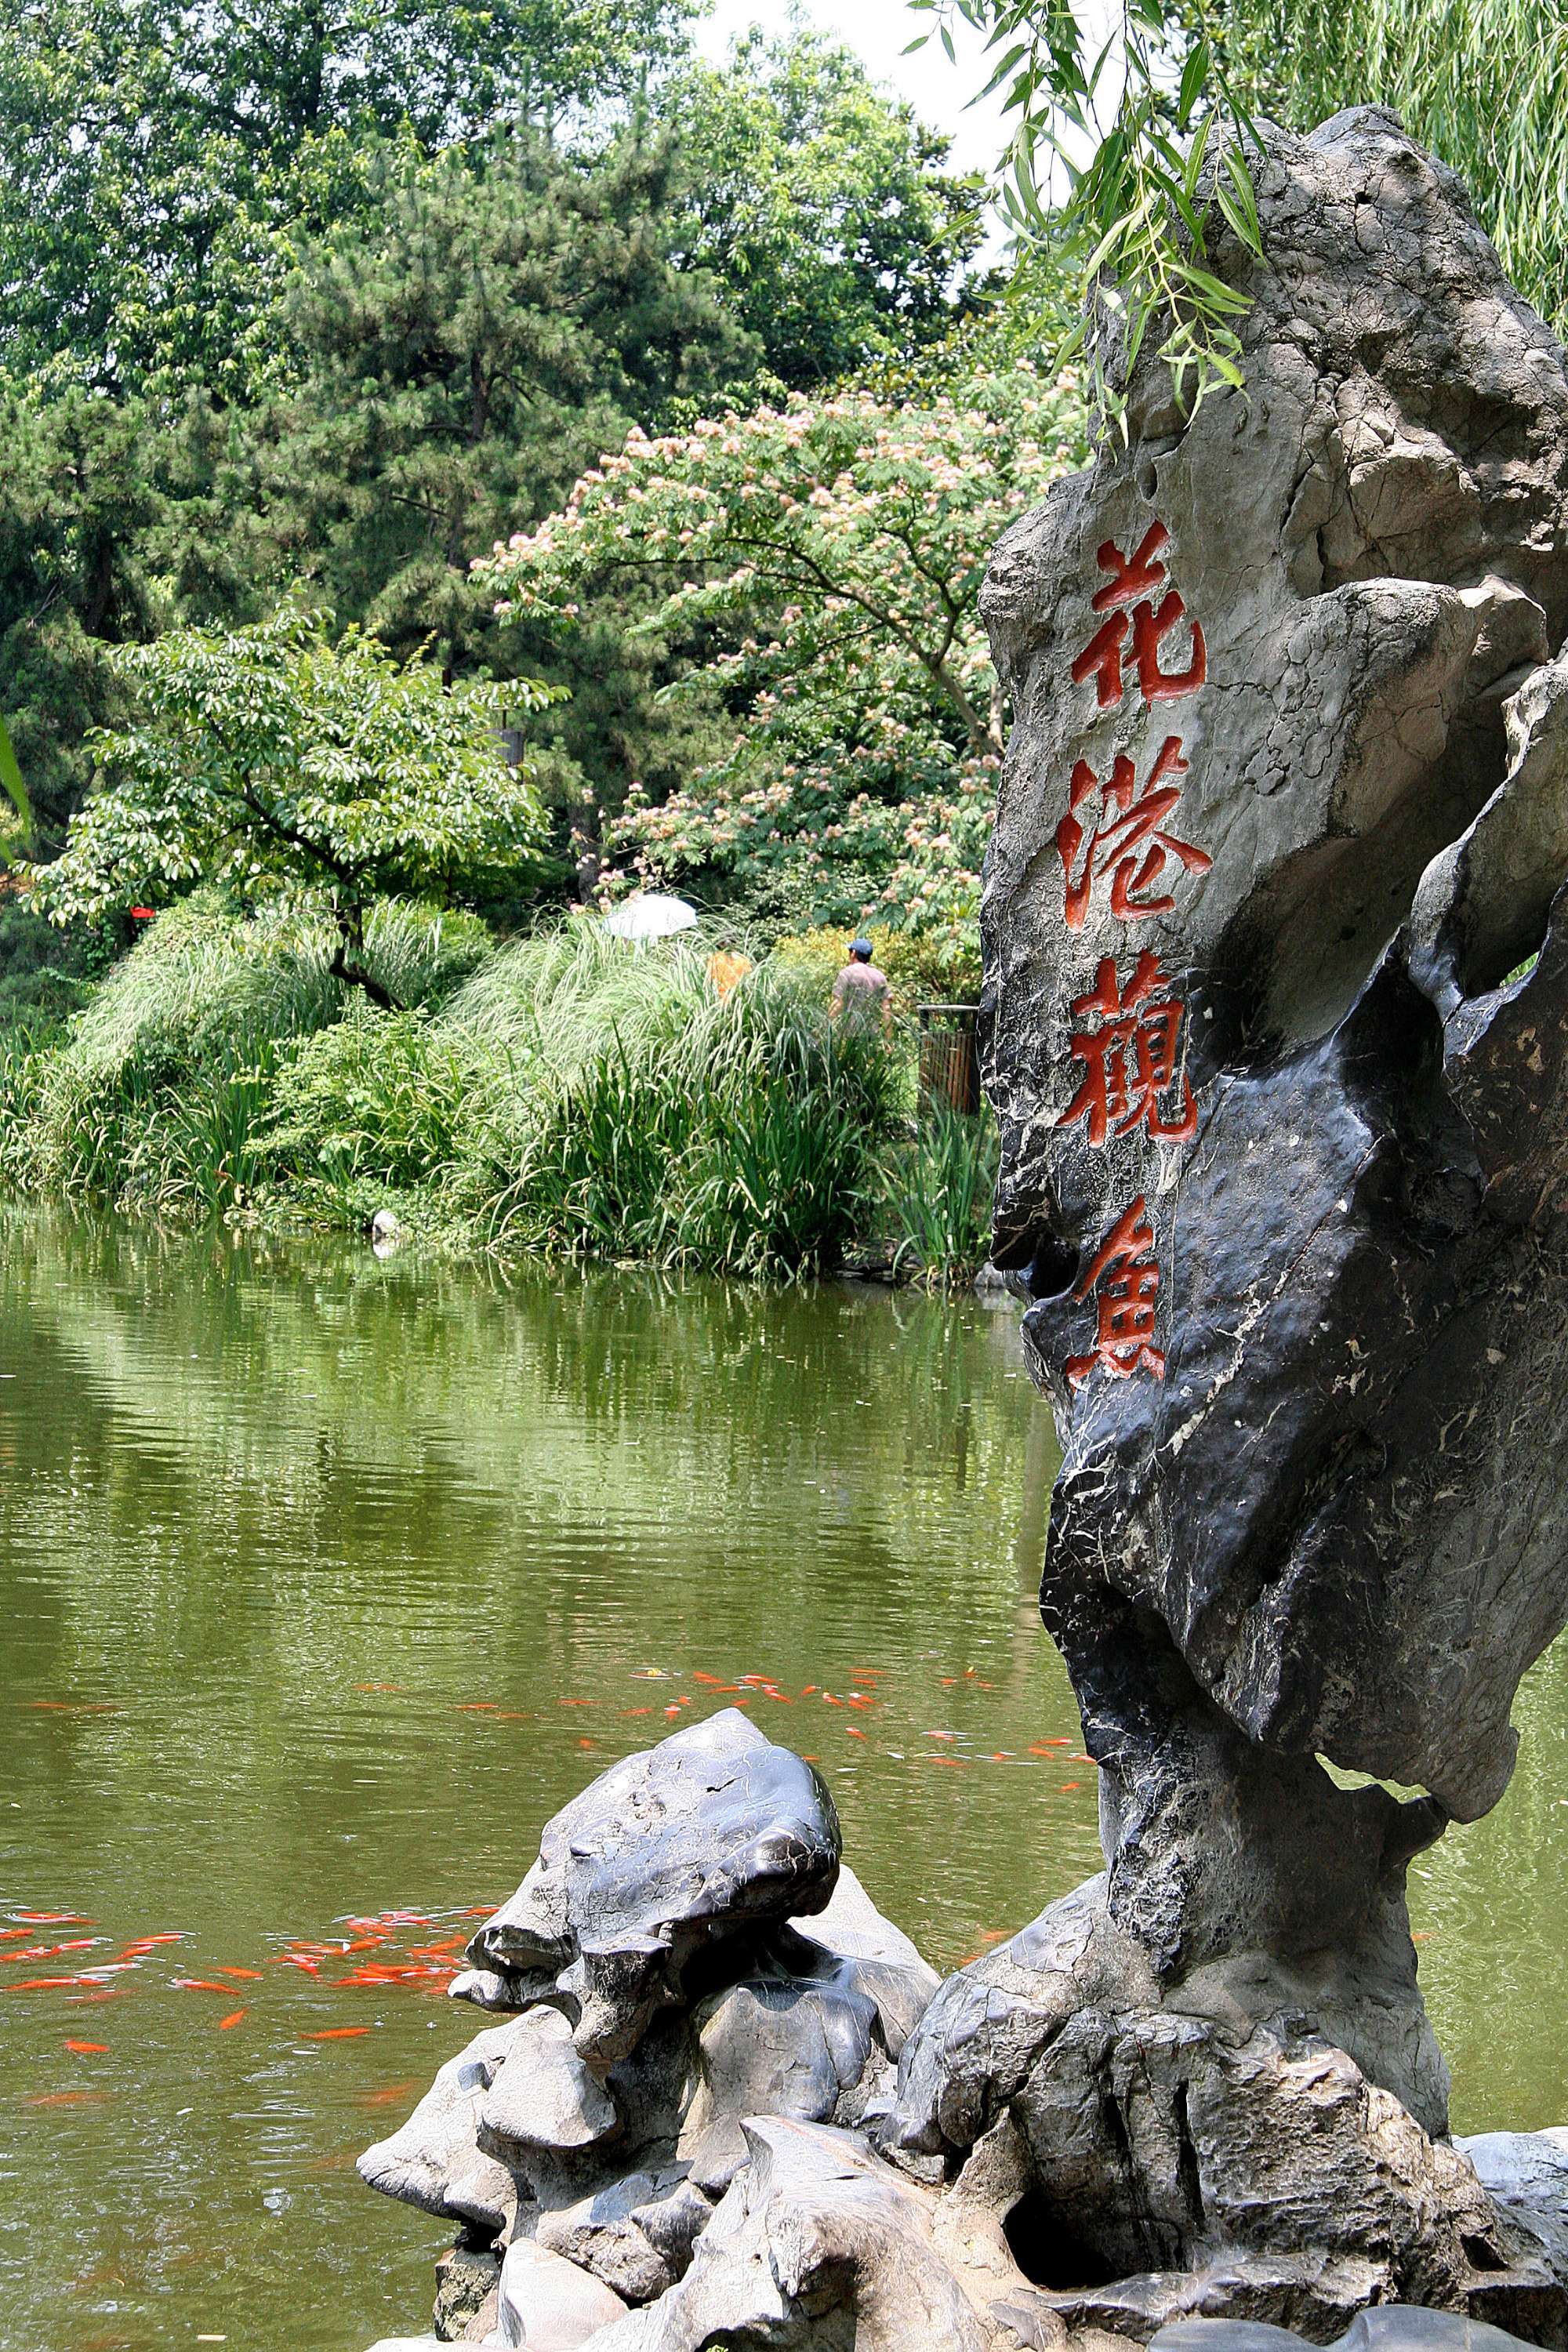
378,1097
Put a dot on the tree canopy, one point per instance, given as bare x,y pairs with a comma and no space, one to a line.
825,208
503,316
270,758
838,545
161,162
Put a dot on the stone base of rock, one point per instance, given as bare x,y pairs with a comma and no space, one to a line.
703,2115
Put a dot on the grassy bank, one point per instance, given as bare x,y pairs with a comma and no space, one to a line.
561,1095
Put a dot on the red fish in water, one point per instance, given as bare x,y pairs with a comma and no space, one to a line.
232,2019
241,1972
88,2049
337,2034
201,1984
388,2096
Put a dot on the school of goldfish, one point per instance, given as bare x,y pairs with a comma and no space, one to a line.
418,1951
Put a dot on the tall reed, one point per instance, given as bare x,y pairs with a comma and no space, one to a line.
936,1193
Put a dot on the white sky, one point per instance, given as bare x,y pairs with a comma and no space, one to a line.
878,30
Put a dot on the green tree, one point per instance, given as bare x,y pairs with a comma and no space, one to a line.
160,163
271,759
842,541
821,203
502,319
80,503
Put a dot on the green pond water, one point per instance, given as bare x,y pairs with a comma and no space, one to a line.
324,1581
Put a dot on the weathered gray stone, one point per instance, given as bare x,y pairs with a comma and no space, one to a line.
435,2160
770,2047
713,1835
489,1989
1388,2327
604,2233
1318,2294
548,2305
819,2246
541,2095
1525,2174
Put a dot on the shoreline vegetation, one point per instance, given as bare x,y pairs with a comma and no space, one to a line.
561,1095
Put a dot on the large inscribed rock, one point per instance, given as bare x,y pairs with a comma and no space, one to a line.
1283,1100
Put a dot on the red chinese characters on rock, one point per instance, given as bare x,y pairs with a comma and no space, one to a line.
1117,838
1129,1058
1126,839
1127,1275
1147,624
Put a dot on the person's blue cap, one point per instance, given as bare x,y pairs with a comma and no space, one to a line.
860,947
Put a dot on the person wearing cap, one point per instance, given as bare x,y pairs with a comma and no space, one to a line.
860,993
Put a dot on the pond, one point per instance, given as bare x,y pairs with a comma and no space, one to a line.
325,1580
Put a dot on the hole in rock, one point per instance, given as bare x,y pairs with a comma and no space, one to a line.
1053,1270
1347,1776
1481,2254
1047,2252
1295,957
1504,945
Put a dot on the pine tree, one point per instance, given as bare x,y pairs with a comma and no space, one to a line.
504,321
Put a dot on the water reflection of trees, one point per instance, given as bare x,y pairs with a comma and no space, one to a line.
248,1479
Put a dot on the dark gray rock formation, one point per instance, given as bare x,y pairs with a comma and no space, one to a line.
1284,1112
687,1953
760,2170
670,1854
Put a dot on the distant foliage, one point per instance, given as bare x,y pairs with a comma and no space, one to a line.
843,542
160,163
499,314
822,206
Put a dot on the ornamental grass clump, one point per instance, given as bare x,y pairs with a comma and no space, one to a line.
654,1119
936,1191
162,1095
151,1101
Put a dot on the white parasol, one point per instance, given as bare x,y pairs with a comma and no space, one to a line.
650,915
